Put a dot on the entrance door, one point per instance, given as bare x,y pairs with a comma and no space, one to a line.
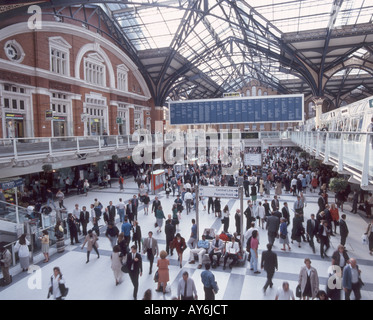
59,128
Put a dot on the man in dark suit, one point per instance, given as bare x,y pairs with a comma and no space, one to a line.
249,215
269,264
312,231
286,213
275,203
111,212
169,230
321,202
134,206
134,264
156,204
273,223
84,219
324,232
343,229
151,249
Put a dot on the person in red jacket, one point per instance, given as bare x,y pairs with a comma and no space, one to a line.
179,244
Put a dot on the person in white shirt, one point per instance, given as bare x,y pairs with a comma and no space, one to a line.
260,214
231,252
284,292
76,214
56,280
121,207
188,198
249,232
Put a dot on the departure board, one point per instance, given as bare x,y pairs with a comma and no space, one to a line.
282,108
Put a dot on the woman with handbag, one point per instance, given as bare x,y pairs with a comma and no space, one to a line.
58,285
91,240
163,272
308,281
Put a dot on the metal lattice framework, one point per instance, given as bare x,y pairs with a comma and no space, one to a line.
194,49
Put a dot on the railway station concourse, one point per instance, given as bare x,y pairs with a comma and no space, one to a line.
91,89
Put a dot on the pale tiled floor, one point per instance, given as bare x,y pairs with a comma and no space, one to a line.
95,280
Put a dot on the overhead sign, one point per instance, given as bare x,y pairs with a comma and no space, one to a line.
10,184
253,159
48,114
218,192
231,94
285,108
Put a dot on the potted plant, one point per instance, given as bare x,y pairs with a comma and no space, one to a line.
338,184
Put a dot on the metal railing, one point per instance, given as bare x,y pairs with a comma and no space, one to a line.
350,151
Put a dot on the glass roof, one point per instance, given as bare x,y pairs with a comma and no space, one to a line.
231,42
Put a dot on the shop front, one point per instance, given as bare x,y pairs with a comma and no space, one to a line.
15,125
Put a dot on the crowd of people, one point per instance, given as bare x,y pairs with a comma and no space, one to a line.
283,172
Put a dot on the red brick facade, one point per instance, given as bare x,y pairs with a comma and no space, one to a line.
30,86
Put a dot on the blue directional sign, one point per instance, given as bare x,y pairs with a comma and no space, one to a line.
284,108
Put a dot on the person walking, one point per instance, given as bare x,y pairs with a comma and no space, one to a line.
351,281
324,233
169,231
178,243
84,219
343,229
192,242
71,222
297,230
260,214
254,245
369,234
136,235
284,292
355,201
60,198
150,247
56,280
159,216
209,284
163,272
134,265
112,233
269,263
45,245
116,265
284,237
60,239
22,248
273,224
5,262
91,240
312,231
225,219
308,281
334,212
121,208
186,289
